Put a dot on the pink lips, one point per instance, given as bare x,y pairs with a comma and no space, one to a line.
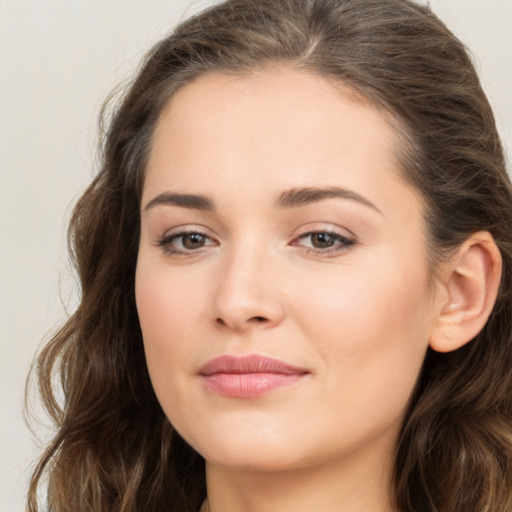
249,376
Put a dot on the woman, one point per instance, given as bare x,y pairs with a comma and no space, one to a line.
295,268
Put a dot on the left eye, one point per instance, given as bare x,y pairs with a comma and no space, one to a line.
322,241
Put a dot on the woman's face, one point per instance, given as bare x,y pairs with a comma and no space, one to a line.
282,283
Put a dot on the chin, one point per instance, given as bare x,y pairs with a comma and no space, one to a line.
254,459
249,449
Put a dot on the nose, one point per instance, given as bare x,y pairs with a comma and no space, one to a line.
248,295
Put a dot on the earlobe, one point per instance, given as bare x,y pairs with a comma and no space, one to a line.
468,287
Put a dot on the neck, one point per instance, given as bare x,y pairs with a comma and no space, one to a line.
332,487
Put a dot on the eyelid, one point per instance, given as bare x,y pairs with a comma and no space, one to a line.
324,227
189,228
344,239
166,239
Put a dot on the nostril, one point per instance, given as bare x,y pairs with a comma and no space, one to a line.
239,323
254,319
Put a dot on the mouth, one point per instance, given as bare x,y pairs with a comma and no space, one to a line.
249,376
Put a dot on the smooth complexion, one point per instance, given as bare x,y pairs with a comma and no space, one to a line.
275,224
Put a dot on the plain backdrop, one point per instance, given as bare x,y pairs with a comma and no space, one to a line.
59,59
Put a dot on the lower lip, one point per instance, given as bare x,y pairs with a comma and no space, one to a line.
249,385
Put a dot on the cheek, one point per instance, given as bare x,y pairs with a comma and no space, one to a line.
168,303
371,328
168,311
351,303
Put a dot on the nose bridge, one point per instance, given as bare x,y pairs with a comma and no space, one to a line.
247,292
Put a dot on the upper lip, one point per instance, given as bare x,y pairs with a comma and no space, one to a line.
249,364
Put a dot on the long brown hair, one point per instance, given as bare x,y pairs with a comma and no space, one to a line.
114,450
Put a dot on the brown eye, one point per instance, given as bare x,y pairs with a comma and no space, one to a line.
193,240
328,243
322,240
185,243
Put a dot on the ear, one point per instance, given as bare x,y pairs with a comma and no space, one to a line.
467,288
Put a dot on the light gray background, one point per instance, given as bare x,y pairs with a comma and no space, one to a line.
58,60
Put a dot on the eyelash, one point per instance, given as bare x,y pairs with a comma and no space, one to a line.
341,243
166,243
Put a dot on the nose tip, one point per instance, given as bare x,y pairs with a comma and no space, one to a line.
238,316
248,296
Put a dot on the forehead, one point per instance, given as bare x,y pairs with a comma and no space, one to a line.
279,127
283,99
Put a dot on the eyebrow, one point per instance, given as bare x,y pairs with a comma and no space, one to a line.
192,201
303,196
292,198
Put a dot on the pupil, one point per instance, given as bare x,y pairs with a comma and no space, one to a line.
193,241
322,240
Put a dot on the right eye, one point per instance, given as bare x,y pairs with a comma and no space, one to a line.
185,242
